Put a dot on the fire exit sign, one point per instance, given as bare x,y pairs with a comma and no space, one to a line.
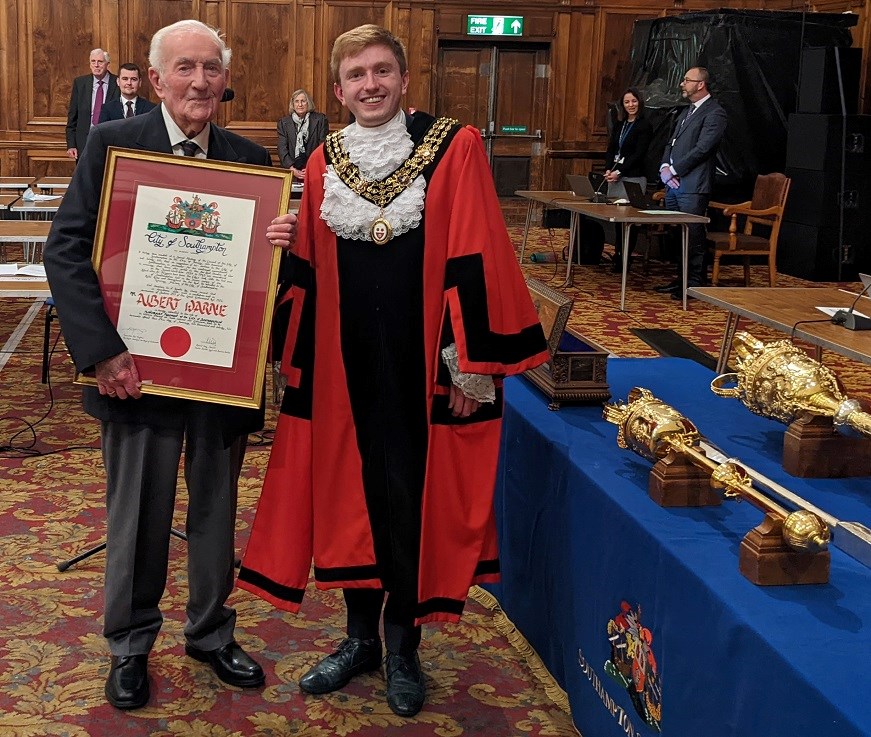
495,25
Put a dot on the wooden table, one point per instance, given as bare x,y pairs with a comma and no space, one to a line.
51,184
6,200
622,214
548,198
28,232
37,209
783,308
16,286
19,184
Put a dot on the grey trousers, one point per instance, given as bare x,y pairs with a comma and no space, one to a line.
141,467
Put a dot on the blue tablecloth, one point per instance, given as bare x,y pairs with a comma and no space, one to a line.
582,545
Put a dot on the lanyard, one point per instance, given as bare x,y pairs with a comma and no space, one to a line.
624,131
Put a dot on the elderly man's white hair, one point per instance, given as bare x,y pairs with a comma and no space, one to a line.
155,53
100,51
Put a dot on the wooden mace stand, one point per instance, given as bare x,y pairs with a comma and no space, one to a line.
764,558
675,482
814,449
768,561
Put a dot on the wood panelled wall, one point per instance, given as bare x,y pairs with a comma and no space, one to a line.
279,45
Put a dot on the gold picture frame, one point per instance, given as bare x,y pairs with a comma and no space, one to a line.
187,274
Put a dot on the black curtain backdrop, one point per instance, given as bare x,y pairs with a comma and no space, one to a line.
754,59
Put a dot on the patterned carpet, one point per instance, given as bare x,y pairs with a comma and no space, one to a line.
53,660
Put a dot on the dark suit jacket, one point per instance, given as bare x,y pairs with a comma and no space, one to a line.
693,147
88,331
79,113
116,110
634,149
318,127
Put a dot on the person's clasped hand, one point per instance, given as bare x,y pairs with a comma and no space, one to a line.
665,175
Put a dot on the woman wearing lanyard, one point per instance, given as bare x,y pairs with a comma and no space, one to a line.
627,150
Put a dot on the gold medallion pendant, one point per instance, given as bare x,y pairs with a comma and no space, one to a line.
381,231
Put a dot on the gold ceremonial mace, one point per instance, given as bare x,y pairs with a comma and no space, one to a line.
652,429
780,381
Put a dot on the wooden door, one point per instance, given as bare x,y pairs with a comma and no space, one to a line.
501,89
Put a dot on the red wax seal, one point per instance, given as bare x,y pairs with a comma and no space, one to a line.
175,341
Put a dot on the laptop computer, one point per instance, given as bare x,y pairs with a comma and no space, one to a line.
582,186
640,200
637,197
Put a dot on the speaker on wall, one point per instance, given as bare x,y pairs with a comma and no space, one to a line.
818,88
815,197
815,142
814,252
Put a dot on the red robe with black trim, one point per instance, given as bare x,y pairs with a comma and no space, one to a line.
314,505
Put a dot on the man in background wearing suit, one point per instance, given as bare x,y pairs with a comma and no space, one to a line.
687,168
129,104
143,435
90,92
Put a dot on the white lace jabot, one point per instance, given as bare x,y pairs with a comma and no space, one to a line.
378,152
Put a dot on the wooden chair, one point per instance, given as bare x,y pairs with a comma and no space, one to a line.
765,209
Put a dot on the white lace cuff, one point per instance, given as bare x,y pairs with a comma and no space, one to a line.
475,386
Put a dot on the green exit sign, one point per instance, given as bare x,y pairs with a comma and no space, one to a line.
514,129
495,25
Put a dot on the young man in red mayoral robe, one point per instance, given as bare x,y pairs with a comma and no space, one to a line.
408,308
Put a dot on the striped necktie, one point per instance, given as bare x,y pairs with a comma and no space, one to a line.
129,113
689,113
189,147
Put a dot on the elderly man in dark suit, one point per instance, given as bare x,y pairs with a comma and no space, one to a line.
130,104
687,168
143,435
90,92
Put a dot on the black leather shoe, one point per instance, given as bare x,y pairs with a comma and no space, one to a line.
231,664
127,682
353,657
667,288
677,294
406,686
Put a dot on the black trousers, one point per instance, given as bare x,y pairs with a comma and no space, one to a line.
364,613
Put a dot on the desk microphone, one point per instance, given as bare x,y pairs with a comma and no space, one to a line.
850,319
228,95
597,195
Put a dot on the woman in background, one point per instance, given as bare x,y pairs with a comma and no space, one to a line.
627,150
300,133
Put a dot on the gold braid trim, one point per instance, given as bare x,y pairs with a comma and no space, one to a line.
383,192
507,628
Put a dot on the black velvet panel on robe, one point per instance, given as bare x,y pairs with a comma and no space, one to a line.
381,298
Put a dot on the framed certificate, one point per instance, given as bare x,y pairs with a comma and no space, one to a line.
187,274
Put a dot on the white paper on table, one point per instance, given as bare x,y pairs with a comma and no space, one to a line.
662,212
830,311
32,270
8,269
